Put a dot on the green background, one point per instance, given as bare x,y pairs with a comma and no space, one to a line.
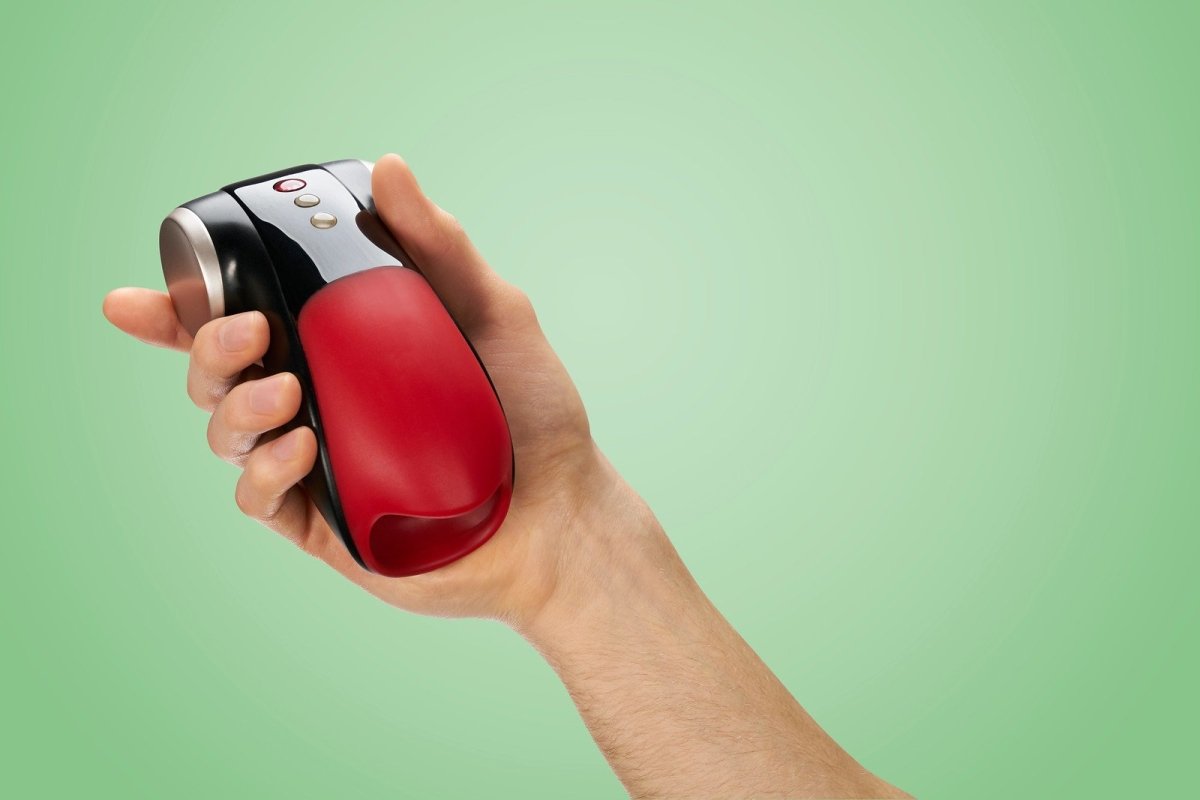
889,310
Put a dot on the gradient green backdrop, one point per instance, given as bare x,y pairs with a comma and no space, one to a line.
890,311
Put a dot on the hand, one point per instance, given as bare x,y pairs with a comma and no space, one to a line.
680,705
513,574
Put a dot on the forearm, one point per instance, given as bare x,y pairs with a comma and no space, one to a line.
678,702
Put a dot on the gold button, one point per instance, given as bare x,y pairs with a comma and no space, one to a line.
323,220
307,200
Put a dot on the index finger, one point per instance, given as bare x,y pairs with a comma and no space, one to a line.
147,315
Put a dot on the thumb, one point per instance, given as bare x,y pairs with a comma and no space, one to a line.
472,292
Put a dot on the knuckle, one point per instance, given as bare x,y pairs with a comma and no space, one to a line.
229,445
245,498
514,305
447,229
518,299
451,225
216,439
201,393
255,493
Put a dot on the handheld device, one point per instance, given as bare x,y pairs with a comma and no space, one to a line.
415,464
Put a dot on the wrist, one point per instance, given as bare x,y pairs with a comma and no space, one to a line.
616,566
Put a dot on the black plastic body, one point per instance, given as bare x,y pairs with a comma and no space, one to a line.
266,269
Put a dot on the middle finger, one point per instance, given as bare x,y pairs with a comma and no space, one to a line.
249,410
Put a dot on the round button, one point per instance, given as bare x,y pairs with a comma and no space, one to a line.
289,185
307,200
323,220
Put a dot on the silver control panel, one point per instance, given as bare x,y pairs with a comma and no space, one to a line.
318,213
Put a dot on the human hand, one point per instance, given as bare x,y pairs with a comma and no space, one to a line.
680,705
559,471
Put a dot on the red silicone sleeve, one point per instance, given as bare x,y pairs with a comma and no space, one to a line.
416,437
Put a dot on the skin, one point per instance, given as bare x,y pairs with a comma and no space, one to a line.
678,702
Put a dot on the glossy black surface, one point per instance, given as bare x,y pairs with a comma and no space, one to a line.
273,260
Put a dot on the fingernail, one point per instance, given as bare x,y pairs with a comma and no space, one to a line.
284,447
235,333
264,395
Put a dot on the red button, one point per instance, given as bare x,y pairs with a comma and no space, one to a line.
289,185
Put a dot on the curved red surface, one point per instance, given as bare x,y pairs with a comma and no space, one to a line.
417,439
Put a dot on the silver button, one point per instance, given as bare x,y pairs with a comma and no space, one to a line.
307,200
323,220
